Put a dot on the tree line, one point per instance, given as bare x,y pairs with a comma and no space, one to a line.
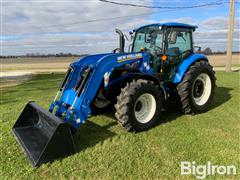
206,51
45,55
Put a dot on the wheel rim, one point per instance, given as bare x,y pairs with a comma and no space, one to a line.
101,101
202,87
145,108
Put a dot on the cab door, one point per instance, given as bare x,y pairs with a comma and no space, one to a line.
179,44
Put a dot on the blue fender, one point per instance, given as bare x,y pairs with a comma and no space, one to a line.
183,67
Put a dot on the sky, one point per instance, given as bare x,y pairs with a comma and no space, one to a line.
88,26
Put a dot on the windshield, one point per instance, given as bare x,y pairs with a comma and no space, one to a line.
148,37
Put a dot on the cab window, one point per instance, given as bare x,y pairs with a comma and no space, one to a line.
149,38
179,39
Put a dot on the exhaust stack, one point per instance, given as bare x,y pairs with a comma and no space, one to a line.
121,40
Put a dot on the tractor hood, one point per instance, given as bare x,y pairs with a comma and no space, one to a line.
94,60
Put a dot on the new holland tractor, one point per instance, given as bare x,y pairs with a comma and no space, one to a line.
160,66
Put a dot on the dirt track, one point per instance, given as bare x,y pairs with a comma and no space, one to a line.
220,60
21,66
33,64
16,70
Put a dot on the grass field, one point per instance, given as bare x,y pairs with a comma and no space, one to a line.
106,151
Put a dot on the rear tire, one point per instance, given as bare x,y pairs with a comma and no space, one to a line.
197,88
139,105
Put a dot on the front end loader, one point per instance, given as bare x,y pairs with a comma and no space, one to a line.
160,67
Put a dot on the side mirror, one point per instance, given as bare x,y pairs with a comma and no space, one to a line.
197,48
131,35
173,37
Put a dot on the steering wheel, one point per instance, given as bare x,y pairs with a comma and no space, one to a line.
117,50
157,50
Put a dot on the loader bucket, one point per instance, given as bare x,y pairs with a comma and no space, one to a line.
43,136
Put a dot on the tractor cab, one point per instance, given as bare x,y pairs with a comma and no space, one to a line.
170,42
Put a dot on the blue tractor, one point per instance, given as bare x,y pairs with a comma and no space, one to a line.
159,68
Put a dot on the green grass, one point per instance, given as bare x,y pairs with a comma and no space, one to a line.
106,151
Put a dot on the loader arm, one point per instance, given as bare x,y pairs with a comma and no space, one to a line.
75,105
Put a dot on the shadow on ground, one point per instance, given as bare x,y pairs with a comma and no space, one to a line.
91,134
221,96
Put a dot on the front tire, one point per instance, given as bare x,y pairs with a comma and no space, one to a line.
139,105
101,104
197,88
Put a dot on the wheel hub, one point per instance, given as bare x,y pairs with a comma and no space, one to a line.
198,89
101,101
138,106
145,108
202,88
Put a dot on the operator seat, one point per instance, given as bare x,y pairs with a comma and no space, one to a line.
173,53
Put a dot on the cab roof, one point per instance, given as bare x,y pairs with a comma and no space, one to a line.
169,24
